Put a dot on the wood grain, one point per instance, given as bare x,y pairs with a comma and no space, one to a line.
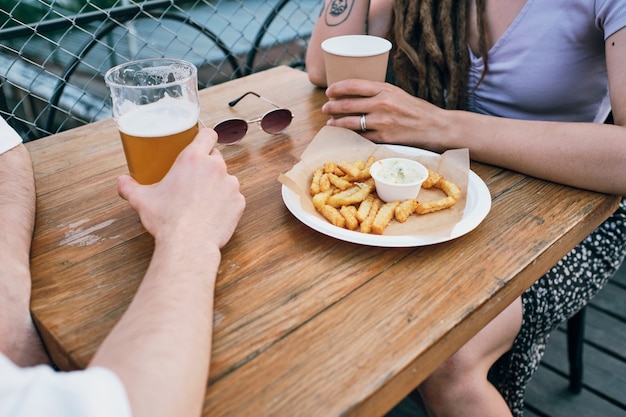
305,324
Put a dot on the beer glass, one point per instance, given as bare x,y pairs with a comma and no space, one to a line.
156,108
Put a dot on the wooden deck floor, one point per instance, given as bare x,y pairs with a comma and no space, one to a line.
604,378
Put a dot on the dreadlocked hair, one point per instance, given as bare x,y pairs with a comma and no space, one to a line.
431,56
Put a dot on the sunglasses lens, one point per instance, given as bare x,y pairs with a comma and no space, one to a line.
231,131
276,121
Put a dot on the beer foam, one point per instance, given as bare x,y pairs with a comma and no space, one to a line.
162,118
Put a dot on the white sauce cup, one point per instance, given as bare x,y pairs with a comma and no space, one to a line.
398,179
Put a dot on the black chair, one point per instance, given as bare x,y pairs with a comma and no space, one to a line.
575,341
576,336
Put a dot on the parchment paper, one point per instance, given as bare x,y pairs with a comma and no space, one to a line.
338,144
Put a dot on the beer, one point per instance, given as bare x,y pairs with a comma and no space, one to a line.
156,107
154,134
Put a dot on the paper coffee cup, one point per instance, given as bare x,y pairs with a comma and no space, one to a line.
356,56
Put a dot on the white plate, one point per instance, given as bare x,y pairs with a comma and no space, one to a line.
477,206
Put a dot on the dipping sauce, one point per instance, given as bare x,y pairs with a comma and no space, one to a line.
398,178
399,171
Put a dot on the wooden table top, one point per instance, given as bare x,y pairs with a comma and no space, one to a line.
305,324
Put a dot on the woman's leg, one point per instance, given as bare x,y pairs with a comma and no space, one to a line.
459,387
515,340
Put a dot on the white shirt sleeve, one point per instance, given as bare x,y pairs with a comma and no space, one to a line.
40,391
8,137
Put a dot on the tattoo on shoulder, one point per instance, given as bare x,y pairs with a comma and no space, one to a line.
338,11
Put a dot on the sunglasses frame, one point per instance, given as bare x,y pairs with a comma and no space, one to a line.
258,120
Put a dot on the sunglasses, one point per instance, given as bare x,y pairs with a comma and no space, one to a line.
231,131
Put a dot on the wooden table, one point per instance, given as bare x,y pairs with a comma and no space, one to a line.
305,325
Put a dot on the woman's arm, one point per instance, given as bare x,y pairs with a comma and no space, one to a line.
586,155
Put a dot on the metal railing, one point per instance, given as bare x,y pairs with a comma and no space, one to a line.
53,53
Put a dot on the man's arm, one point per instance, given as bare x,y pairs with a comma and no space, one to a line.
19,340
161,347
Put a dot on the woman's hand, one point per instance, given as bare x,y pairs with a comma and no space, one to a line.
391,114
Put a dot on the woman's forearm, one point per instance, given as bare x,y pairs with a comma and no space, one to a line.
583,155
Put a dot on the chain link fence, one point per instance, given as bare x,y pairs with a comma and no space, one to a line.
54,53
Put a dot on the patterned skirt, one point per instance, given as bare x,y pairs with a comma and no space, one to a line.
554,298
